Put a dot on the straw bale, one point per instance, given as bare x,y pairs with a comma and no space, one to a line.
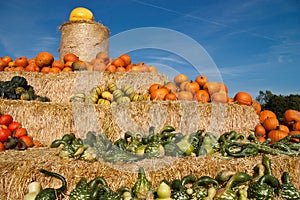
61,87
49,121
22,167
83,38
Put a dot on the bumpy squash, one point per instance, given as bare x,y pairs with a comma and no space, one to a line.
81,13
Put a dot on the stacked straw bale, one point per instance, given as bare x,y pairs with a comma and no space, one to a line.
83,38
49,121
19,168
61,86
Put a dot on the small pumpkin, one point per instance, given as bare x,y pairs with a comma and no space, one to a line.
159,94
259,130
81,13
219,97
192,86
271,123
171,96
243,98
256,105
214,87
79,66
201,80
291,116
283,128
171,86
179,78
276,135
202,96
265,114
154,86
185,95
296,126
294,132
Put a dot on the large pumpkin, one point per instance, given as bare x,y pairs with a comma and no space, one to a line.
271,123
266,114
214,87
291,116
243,98
81,13
276,135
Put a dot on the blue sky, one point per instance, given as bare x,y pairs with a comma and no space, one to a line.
253,45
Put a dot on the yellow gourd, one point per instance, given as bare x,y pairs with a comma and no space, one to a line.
81,13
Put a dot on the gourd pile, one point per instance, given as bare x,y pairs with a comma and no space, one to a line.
167,142
261,184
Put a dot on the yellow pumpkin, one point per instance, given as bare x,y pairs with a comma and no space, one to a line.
81,13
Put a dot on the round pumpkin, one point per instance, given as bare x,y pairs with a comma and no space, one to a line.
243,98
214,87
283,128
154,86
159,94
179,78
192,86
44,59
79,66
291,116
256,105
171,96
296,126
126,58
276,135
171,86
219,97
185,95
81,13
271,123
265,114
295,132
202,96
259,130
201,80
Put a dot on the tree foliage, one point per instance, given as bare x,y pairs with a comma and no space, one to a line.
278,103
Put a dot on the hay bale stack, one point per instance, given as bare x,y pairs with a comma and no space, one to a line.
83,38
61,86
49,121
22,167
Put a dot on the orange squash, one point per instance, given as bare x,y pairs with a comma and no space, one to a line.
295,132
296,126
256,105
260,131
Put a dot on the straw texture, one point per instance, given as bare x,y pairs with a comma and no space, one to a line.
83,38
18,169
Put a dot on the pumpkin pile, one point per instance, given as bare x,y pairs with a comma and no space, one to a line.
200,89
270,128
13,135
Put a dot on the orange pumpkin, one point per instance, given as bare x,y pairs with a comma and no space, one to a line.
276,135
259,130
201,80
283,128
291,116
295,132
296,126
126,58
154,86
219,97
213,87
171,96
243,98
261,139
44,59
179,78
171,86
192,86
202,96
185,95
159,94
256,105
266,114
271,123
